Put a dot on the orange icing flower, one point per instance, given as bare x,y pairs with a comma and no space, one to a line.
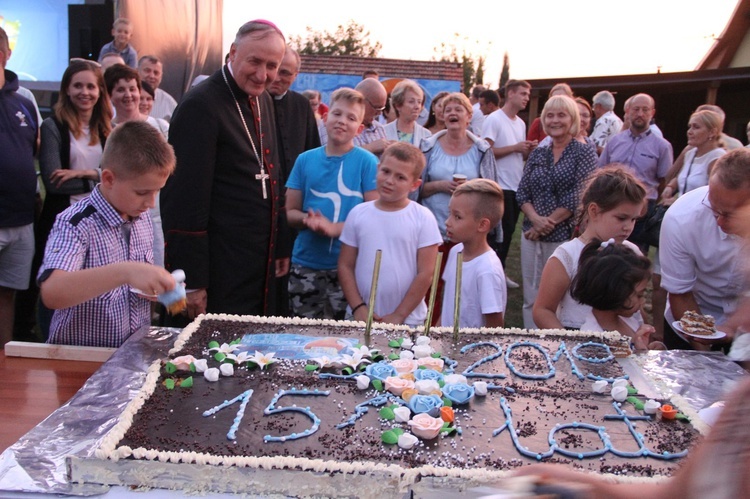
408,393
446,414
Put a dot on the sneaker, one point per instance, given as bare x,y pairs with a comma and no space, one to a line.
510,283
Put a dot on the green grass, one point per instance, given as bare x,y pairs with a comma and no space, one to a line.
513,315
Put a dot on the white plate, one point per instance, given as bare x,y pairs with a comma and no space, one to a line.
716,336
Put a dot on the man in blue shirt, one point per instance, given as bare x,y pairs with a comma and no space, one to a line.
18,142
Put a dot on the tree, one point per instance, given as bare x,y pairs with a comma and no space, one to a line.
351,39
505,73
471,63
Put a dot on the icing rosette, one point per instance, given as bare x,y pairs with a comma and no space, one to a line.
431,363
599,386
427,386
402,414
480,388
403,366
363,382
422,351
211,374
459,393
397,385
182,363
406,354
428,374
201,365
455,379
425,426
406,441
429,404
380,371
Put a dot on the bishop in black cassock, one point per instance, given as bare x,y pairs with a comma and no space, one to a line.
218,225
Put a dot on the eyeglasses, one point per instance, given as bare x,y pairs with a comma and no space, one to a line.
726,215
79,59
376,108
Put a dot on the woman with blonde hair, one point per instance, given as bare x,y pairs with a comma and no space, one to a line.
549,192
407,99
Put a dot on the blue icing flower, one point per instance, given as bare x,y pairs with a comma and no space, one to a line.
425,403
380,370
459,393
421,374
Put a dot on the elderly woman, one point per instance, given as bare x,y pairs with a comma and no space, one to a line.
535,130
435,121
549,191
704,139
407,99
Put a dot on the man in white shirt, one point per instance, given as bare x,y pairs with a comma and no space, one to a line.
151,70
608,123
700,249
506,133
477,117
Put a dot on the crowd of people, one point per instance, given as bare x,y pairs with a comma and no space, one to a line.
279,202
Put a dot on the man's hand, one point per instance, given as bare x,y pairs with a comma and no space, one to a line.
282,266
196,303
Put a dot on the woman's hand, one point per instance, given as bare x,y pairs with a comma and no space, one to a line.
543,225
59,177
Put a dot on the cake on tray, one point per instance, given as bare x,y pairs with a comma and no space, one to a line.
301,407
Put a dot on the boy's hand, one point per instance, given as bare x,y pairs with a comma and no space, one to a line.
149,278
196,303
318,223
643,336
392,319
361,314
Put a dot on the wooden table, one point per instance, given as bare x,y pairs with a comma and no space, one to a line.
31,389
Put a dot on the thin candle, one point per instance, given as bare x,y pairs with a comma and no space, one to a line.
433,294
457,302
373,292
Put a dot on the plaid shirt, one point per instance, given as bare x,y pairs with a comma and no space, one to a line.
92,234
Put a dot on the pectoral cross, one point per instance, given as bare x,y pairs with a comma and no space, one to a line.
263,176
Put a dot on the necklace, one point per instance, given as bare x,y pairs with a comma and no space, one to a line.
262,176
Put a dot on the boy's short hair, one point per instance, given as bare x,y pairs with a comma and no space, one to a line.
487,196
407,153
118,72
352,97
122,20
4,43
136,148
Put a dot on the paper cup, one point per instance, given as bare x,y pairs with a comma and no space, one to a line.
459,178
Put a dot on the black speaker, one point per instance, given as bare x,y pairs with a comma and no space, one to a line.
89,27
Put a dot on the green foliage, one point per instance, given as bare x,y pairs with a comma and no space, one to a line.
505,73
351,39
472,60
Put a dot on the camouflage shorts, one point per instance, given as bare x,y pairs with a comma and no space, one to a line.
316,294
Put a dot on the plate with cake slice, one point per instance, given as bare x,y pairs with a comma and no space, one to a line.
698,325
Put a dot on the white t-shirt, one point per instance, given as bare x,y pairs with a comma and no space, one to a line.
482,288
591,324
83,156
696,255
569,311
694,172
400,234
503,131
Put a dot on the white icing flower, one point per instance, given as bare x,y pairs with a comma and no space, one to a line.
651,407
211,374
201,365
240,358
226,369
427,386
425,426
402,414
455,379
363,382
325,361
423,340
407,343
182,363
407,441
480,388
368,352
620,382
353,360
619,393
406,355
225,348
599,386
422,351
263,359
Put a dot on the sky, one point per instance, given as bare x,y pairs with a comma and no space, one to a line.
552,39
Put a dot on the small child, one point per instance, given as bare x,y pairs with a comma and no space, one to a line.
122,30
612,280
323,187
474,209
101,248
406,232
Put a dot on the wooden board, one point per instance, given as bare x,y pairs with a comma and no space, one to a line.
57,352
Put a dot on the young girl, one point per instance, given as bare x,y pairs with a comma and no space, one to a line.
612,280
611,203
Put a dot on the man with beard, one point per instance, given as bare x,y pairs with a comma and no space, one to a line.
222,211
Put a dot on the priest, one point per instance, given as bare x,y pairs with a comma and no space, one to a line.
222,211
